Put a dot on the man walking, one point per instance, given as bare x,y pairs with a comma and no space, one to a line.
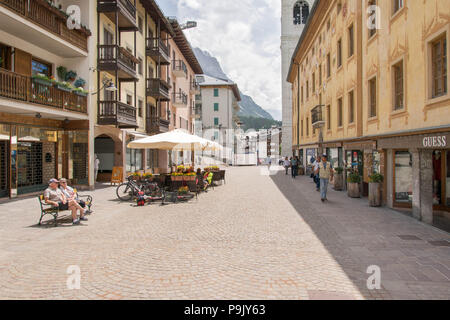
316,174
325,173
294,167
96,167
287,164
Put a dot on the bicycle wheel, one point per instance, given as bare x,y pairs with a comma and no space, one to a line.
124,192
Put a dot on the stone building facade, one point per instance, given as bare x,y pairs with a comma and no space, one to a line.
371,92
294,15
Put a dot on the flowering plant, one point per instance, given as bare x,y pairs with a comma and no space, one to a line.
183,190
177,174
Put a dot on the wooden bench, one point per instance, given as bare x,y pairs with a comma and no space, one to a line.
48,209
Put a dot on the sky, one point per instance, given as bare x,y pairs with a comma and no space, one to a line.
244,35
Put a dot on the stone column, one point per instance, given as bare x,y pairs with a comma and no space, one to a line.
416,208
426,185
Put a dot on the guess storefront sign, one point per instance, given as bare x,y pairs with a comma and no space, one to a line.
423,141
435,142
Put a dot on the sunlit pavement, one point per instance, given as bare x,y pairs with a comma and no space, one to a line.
259,236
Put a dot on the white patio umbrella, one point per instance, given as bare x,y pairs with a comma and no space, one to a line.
178,139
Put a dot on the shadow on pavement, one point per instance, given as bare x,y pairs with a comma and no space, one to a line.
308,206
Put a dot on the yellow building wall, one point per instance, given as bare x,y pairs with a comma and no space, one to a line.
405,36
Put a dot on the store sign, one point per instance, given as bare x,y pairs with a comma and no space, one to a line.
435,142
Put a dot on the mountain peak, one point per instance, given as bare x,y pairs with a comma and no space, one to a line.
212,68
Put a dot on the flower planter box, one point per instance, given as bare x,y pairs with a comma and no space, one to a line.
177,178
81,94
42,82
339,182
353,190
189,178
63,88
375,194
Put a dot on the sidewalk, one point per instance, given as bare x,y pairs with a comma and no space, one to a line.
414,257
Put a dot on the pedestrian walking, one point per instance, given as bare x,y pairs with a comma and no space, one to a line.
286,164
316,174
325,172
294,167
96,167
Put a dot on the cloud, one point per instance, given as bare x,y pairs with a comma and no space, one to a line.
244,35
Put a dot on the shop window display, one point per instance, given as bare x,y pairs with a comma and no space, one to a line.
403,177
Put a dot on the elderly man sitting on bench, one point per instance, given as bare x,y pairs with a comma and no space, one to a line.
70,194
55,197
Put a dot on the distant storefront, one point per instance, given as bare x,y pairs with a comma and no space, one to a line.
30,156
418,174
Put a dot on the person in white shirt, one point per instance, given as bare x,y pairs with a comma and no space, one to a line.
316,165
287,164
70,194
96,166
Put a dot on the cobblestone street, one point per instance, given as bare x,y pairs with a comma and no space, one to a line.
256,237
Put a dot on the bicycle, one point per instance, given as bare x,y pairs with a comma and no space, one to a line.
130,190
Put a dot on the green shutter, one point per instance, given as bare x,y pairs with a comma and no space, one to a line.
216,107
216,92
216,121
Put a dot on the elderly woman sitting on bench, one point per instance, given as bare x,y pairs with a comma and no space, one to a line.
55,197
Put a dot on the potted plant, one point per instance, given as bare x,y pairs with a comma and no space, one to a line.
136,176
339,179
148,176
62,72
176,176
353,181
190,176
71,76
375,181
80,92
42,79
183,190
80,83
64,86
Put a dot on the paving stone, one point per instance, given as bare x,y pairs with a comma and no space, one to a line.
257,237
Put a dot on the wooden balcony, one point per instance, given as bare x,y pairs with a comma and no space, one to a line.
158,89
18,87
117,113
158,51
194,87
112,58
180,99
126,13
317,116
179,68
155,125
49,18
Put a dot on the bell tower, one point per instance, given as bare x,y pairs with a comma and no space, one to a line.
294,14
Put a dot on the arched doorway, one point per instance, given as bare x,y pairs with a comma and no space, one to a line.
105,150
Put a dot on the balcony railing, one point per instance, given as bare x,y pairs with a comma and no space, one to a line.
22,88
158,50
158,89
179,68
125,8
317,116
113,57
117,113
50,18
180,99
194,87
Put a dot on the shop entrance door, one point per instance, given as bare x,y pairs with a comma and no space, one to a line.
4,172
80,163
29,167
441,180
